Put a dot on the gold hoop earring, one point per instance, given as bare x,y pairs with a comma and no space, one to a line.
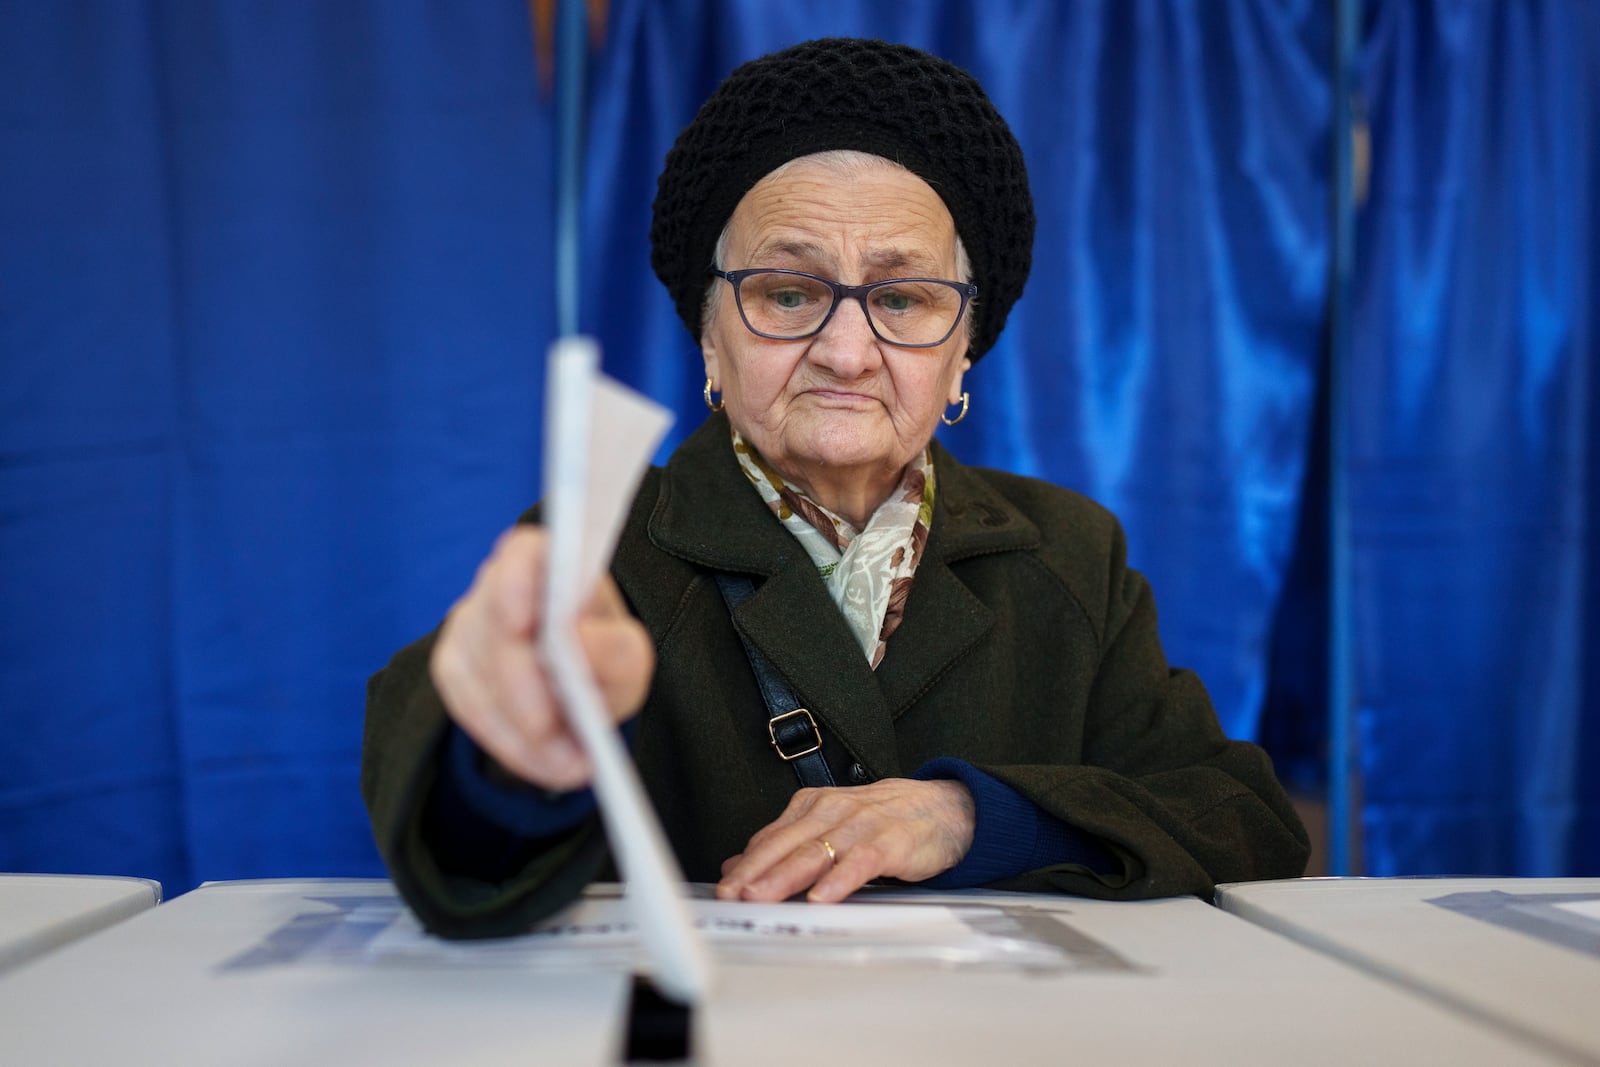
948,421
714,405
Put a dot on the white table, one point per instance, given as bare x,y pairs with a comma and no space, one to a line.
287,972
1520,953
42,912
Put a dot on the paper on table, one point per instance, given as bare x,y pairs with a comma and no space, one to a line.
794,933
1587,909
597,933
599,440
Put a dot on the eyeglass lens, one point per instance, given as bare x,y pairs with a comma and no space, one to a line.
793,306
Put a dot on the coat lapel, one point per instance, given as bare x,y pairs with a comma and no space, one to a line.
943,618
708,514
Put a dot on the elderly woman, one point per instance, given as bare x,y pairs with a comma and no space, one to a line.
838,654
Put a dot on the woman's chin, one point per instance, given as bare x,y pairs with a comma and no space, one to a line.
846,446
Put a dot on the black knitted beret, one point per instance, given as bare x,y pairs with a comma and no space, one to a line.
847,93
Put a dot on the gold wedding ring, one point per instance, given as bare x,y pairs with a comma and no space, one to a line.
832,857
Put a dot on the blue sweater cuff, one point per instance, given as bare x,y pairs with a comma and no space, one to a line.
1012,834
464,790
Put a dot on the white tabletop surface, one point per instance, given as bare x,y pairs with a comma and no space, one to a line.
1521,953
287,972
42,912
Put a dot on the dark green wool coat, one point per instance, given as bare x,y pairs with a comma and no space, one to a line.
1027,648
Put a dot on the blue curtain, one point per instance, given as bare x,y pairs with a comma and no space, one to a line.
276,284
1475,439
274,289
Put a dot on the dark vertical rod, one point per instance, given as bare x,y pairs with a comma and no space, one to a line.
571,56
1343,754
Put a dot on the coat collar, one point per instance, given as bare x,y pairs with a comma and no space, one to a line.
707,513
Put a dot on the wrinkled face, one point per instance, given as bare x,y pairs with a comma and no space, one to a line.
840,412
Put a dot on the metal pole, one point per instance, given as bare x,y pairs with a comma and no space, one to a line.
571,56
1343,753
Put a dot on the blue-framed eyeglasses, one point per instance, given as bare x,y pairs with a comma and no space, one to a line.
791,305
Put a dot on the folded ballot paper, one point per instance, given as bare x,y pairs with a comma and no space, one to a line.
599,438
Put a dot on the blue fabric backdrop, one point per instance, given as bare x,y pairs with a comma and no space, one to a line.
1474,425
276,282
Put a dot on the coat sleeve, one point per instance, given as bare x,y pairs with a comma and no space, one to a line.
1178,803
455,891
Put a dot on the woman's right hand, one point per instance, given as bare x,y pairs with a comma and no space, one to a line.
488,667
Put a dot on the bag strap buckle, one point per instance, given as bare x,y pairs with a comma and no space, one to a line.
791,731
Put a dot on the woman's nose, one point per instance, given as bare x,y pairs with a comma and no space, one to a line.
847,346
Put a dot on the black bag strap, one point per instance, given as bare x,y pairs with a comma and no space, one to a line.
796,737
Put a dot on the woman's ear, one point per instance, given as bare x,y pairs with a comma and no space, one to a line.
708,354
955,383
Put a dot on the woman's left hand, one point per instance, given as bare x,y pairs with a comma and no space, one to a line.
831,842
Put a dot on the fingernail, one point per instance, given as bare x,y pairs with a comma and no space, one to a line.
818,894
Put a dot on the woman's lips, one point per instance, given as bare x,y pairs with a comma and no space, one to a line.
842,397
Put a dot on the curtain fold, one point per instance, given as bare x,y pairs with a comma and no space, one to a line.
274,294
91,771
1473,435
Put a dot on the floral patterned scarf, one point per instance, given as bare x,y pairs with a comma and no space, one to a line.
868,572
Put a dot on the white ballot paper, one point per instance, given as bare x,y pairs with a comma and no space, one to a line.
600,933
599,437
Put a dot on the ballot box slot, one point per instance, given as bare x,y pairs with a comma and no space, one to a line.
658,1027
